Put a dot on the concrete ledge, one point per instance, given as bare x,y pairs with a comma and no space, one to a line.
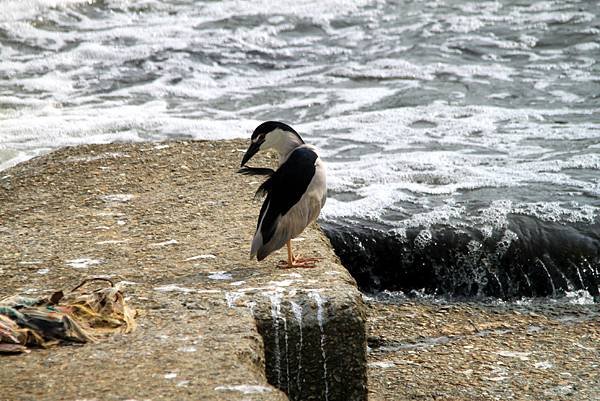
173,222
314,344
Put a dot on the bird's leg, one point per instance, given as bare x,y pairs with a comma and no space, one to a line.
296,261
290,262
312,261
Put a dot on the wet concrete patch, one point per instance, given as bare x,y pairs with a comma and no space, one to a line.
424,350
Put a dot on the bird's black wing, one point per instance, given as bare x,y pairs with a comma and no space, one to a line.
255,171
285,188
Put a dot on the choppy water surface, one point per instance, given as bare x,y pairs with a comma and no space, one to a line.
477,117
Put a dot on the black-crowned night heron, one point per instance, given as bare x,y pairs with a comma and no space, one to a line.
295,192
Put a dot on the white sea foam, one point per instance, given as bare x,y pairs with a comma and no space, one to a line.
580,297
420,113
382,181
303,8
15,10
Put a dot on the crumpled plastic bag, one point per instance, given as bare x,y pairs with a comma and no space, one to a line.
78,317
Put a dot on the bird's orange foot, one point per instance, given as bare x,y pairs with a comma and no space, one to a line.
315,259
299,262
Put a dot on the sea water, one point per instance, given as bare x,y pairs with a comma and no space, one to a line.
471,116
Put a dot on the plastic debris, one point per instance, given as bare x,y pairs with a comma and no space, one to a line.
77,317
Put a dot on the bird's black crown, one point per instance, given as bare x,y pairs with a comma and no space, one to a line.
269,126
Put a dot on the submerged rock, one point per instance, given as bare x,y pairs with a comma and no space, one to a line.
528,258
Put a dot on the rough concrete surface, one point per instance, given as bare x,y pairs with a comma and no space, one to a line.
458,351
173,222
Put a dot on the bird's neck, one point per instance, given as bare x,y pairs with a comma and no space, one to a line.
286,145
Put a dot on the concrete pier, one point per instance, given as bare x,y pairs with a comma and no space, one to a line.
173,222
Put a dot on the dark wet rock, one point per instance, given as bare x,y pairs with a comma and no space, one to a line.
529,258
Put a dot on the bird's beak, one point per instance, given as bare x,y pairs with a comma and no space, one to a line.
252,149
